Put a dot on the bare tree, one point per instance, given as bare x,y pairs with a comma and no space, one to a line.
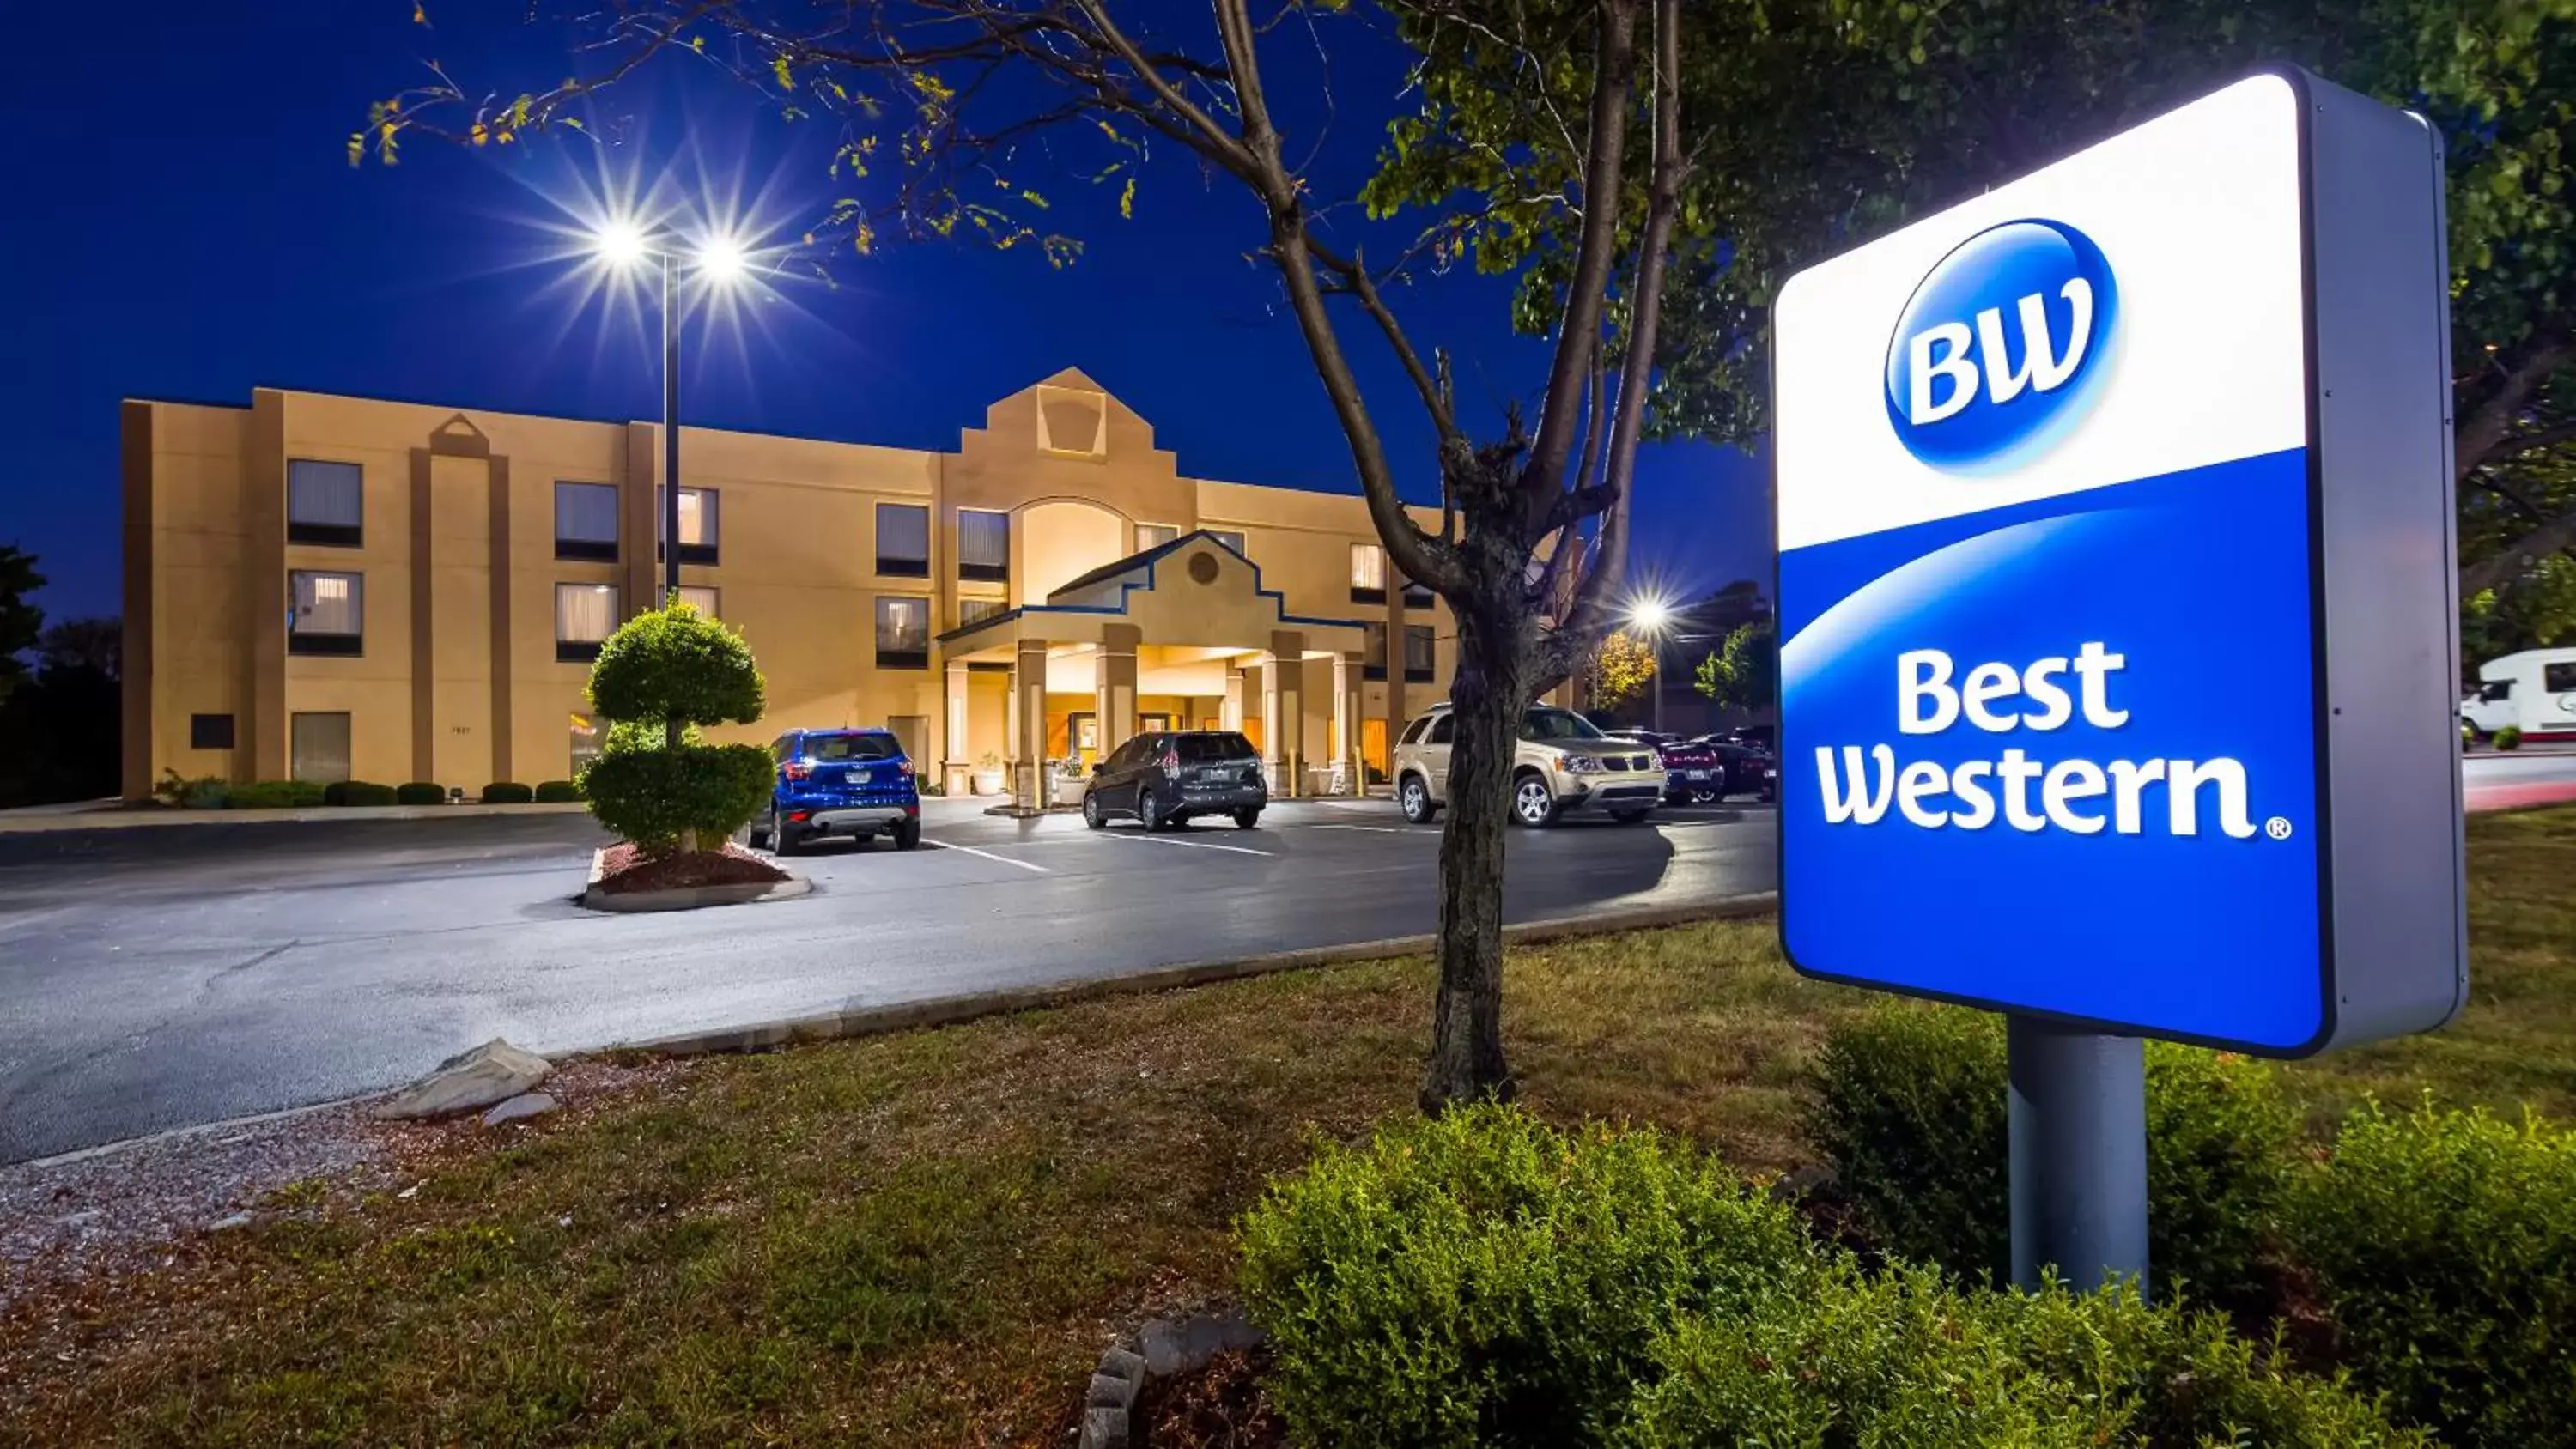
1530,546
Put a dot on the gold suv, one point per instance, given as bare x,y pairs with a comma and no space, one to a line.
1563,763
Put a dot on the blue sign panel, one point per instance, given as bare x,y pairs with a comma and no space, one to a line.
2053,594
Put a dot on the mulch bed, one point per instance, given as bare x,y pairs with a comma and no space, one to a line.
628,868
1220,1406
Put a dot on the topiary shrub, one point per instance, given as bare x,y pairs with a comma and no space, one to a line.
2444,1246
419,792
357,792
662,674
1911,1110
557,792
1482,1279
1906,1358
656,797
503,792
274,795
2508,738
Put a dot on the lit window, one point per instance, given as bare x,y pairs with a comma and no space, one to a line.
973,611
700,598
586,521
324,502
903,632
1368,575
585,615
1418,653
1154,535
903,540
328,613
983,545
697,525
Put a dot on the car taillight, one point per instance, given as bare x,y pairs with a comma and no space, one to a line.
905,766
796,769
1171,759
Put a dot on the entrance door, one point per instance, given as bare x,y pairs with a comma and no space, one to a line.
1084,729
321,747
1373,748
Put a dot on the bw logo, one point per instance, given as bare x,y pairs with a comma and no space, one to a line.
2001,346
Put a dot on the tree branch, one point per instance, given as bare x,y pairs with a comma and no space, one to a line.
2498,569
2483,429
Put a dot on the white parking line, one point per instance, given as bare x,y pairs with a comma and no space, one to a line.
1192,844
1375,829
988,855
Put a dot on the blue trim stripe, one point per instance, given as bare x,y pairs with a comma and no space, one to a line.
1152,559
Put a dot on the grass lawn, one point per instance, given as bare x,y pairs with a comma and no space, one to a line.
927,1239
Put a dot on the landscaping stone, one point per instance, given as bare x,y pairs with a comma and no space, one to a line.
1104,1429
1179,1345
1108,1392
227,1224
520,1108
493,1072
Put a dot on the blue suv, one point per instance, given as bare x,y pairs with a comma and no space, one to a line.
840,782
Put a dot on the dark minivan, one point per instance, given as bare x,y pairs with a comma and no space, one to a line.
1166,777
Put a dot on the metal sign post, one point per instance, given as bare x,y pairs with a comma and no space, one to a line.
2079,1154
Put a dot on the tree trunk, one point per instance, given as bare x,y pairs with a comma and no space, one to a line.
673,732
1486,696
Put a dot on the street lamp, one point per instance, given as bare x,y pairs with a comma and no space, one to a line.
1650,617
722,261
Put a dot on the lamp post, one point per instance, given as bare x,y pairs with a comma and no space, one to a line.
721,261
1649,617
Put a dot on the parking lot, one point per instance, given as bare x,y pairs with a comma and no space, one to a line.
169,976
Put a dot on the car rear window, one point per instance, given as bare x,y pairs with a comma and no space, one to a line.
831,748
1201,749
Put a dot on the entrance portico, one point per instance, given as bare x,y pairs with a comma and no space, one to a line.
1183,635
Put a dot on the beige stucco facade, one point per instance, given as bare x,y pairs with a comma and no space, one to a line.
449,586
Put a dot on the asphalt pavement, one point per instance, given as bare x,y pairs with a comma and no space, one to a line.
169,977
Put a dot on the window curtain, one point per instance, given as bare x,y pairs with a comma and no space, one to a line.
1368,566
983,539
903,532
903,625
327,603
697,516
323,493
586,512
585,613
1154,535
1417,649
699,598
970,610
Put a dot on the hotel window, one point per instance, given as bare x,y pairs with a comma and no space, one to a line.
1418,658
210,732
903,632
1154,535
585,615
1416,596
975,611
697,525
983,545
700,598
903,540
1368,576
323,502
329,613
1373,651
1231,537
586,521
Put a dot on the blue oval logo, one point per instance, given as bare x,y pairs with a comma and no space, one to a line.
2001,346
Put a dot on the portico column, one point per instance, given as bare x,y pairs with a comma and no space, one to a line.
1028,727
1284,690
1116,683
1346,694
1230,709
953,745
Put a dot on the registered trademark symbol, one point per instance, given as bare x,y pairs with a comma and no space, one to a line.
2278,827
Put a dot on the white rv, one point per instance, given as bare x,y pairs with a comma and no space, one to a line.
2533,691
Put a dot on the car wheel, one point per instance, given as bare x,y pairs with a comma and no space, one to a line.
1414,798
765,831
1091,815
1533,803
788,840
907,836
1707,794
1246,819
1149,809
1628,817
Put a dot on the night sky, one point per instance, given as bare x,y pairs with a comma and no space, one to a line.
183,223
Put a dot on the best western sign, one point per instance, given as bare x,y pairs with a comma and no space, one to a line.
2118,648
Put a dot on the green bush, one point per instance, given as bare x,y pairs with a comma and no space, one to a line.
651,796
420,792
675,663
1482,1279
557,792
2444,1246
273,795
192,792
503,792
625,737
357,792
1912,1112
2508,738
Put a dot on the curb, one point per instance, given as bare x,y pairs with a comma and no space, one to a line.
163,819
957,1010
685,898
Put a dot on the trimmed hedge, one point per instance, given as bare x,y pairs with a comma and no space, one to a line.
2508,738
420,792
1481,1279
273,795
2444,1246
557,792
1912,1111
357,792
504,792
651,796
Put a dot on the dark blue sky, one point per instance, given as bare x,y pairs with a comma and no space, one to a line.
184,224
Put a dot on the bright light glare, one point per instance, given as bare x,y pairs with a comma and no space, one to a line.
1650,615
621,243
722,260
